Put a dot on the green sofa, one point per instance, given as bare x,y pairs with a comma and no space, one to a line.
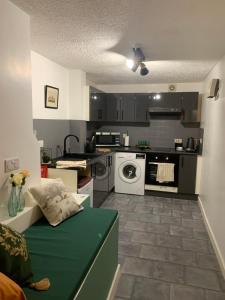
79,256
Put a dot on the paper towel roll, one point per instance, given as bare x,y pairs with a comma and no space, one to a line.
126,141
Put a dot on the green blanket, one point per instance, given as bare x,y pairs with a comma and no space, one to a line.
65,253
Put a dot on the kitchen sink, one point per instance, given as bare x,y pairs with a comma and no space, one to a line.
82,156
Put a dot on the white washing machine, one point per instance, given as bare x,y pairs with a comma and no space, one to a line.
130,173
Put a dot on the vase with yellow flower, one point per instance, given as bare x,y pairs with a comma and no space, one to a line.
21,199
13,200
16,200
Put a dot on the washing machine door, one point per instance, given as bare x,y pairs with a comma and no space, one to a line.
101,170
129,171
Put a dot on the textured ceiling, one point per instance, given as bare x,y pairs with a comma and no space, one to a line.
181,39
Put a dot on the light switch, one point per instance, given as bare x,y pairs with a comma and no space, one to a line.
12,164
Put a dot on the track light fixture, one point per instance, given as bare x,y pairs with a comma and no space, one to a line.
137,61
144,71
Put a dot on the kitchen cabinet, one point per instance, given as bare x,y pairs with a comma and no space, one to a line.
187,174
120,107
113,107
142,102
111,162
103,176
134,107
191,107
165,101
97,106
127,107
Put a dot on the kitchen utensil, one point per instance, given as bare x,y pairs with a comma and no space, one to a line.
90,146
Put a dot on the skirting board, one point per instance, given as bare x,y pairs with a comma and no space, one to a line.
212,238
114,285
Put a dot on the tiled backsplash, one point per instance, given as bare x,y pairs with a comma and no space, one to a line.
160,133
53,132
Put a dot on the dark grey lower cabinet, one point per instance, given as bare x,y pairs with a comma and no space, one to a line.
103,176
187,174
111,159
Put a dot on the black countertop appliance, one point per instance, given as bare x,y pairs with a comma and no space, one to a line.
190,146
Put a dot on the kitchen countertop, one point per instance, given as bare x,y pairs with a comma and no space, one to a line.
92,158
153,150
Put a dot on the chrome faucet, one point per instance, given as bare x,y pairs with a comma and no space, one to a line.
65,139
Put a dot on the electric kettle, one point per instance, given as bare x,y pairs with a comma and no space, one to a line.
190,146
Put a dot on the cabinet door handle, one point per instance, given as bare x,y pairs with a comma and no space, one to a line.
122,114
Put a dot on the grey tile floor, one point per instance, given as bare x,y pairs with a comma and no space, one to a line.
164,250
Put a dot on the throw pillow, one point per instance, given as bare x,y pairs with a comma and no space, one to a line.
55,202
14,256
9,289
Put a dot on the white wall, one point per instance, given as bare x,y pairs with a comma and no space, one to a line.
212,191
78,96
73,91
149,88
47,72
16,130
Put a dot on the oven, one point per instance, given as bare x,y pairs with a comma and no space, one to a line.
153,161
107,139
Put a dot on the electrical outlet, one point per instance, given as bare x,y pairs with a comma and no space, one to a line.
12,164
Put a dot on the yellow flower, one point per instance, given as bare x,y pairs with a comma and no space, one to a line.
18,179
25,173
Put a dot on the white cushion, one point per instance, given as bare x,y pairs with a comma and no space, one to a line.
55,202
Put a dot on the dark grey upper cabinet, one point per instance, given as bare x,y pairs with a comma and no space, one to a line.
187,174
120,107
191,107
174,100
141,109
157,100
127,102
97,106
165,100
130,107
112,107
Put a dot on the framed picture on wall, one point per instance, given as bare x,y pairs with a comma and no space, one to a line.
51,97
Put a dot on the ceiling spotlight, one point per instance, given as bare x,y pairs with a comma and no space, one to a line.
135,66
144,71
130,63
137,61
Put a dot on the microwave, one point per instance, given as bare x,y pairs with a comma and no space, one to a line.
107,139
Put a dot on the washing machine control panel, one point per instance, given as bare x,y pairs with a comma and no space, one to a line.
140,156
